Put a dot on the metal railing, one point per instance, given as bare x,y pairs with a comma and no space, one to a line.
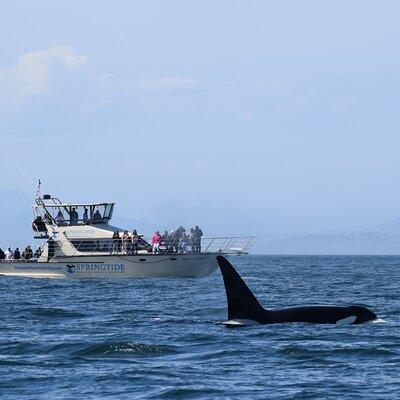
226,245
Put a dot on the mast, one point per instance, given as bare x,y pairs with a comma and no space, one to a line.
39,190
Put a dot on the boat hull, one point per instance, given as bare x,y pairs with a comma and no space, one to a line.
113,266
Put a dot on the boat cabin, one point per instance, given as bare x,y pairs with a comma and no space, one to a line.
52,210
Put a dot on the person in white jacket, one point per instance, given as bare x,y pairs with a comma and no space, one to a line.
9,254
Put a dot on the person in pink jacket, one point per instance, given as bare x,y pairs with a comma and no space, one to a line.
155,242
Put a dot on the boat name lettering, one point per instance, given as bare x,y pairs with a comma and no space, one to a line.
77,232
93,268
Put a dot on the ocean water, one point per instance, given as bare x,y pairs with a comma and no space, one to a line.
162,338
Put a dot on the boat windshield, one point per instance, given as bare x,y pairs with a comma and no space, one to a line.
79,214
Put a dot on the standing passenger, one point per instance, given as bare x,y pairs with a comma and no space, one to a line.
125,242
155,241
2,255
199,234
193,240
165,241
183,243
73,216
135,241
85,217
115,242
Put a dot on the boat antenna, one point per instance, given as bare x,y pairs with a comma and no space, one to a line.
39,190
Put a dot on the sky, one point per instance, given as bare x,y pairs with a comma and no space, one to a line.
245,117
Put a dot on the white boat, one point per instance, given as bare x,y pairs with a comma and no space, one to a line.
78,243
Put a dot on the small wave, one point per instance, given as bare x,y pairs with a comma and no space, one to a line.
350,351
123,350
188,392
380,321
56,313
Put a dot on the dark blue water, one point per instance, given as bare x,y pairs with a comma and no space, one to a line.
161,338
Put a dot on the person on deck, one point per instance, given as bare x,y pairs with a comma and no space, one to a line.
27,254
192,240
96,215
125,242
183,243
116,240
38,252
177,238
165,241
73,216
85,216
17,254
2,255
59,218
134,242
198,234
155,242
9,254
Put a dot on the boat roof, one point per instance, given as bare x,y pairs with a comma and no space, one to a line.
76,204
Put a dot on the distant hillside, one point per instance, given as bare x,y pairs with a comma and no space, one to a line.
348,243
382,239
390,228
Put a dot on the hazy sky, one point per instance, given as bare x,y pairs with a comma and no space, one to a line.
267,117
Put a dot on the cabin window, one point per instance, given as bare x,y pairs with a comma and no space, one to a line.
92,246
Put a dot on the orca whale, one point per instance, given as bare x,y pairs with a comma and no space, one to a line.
243,306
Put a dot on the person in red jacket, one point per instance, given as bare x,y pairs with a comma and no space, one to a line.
155,242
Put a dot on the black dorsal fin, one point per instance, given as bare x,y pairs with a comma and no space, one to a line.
242,304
